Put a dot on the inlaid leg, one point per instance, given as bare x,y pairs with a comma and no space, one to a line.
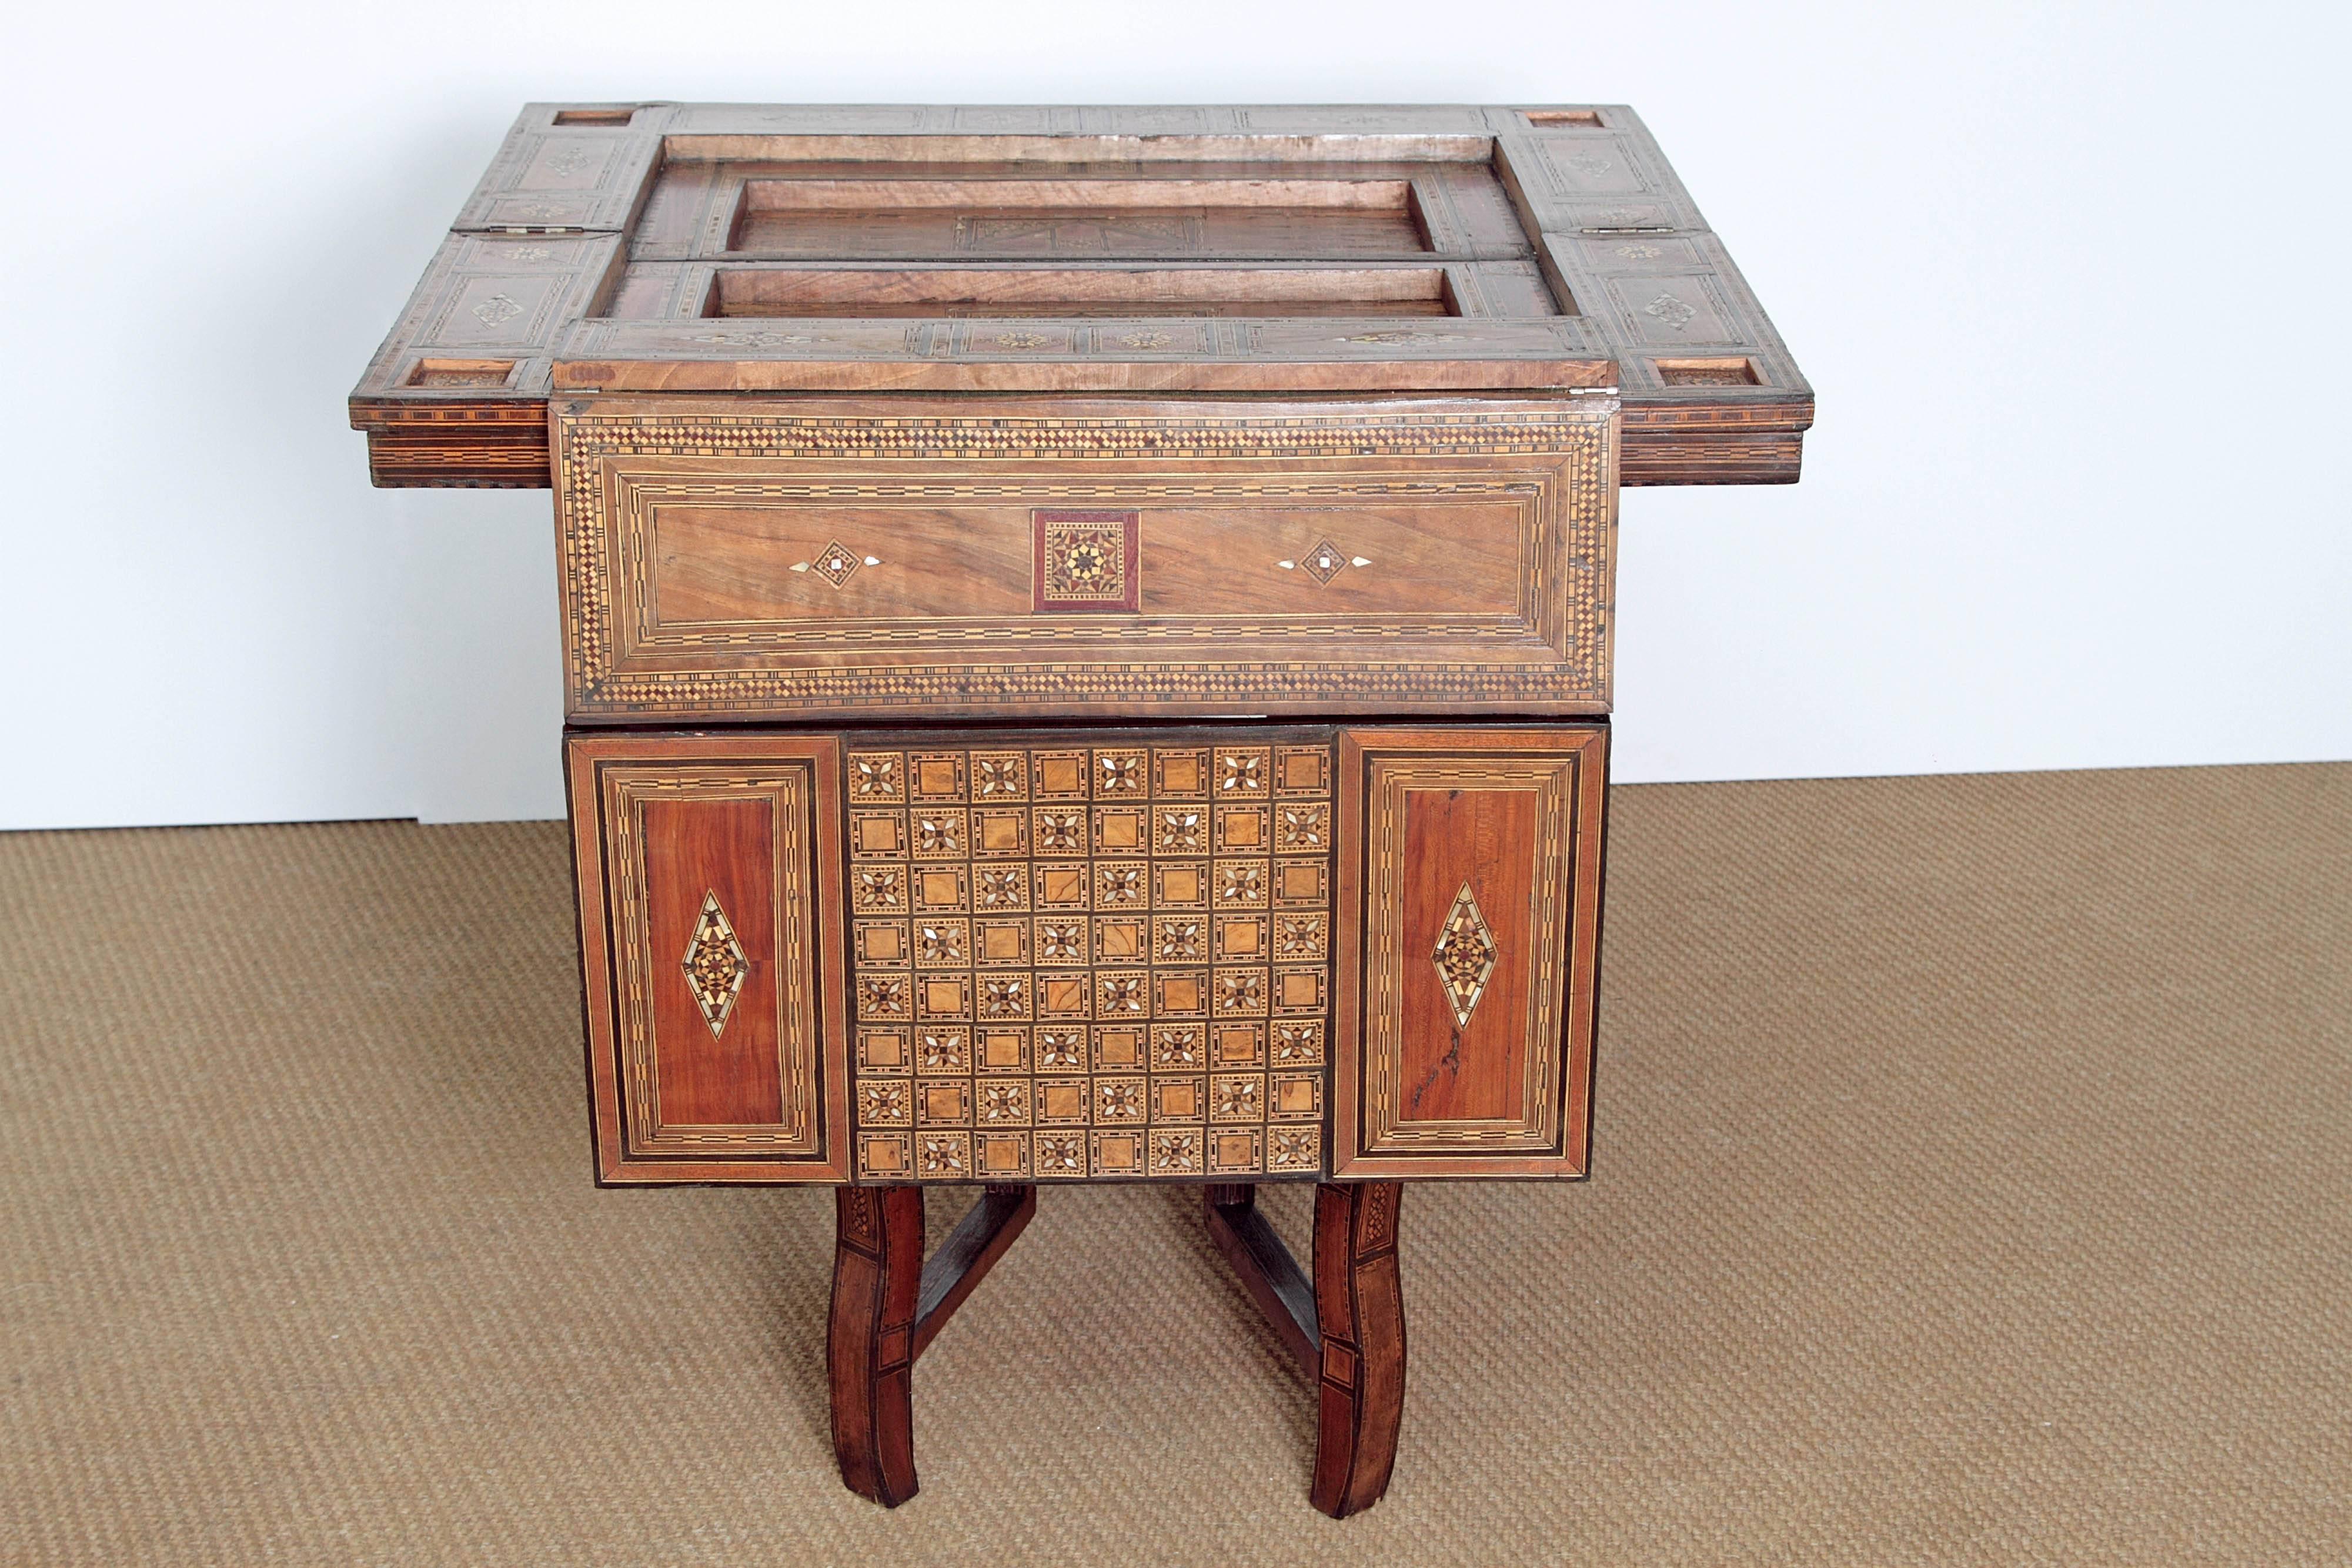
878,1270
1359,1311
888,1304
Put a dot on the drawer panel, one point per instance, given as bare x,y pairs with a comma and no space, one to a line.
710,933
1237,953
740,558
810,569
1472,859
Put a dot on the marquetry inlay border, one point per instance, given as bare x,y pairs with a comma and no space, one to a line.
797,779
789,792
618,456
1565,771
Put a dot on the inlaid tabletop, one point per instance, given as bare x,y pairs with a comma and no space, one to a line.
1206,249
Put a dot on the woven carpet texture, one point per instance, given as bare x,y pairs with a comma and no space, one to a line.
1973,1184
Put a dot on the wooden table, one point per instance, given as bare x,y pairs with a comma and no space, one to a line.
1086,643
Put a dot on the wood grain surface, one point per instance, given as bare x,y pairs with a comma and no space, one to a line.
1457,840
740,558
756,1089
724,850
1359,1307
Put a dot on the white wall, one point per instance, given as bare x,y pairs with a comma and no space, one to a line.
2068,285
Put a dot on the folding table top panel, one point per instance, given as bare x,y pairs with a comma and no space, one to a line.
1209,250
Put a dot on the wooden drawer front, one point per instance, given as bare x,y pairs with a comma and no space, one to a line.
1466,986
711,942
736,558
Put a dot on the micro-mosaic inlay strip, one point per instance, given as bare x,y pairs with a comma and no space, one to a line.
1077,961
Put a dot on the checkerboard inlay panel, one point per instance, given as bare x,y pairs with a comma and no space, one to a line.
1091,961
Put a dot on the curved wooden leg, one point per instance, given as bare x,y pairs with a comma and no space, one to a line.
1359,1311
877,1269
889,1304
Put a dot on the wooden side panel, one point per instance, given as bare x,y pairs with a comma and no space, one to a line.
1469,894
1455,838
711,949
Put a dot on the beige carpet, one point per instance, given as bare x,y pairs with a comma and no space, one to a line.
1974,1186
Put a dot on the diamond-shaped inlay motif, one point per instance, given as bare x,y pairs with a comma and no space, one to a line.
1323,562
714,965
838,563
1464,957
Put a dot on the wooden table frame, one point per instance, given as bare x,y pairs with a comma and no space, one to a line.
1346,1329
902,860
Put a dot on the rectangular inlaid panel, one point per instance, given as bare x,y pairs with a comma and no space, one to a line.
1001,217
738,559
1473,857
1091,957
700,289
710,932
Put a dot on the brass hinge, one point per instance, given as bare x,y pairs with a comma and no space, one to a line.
542,229
1632,229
